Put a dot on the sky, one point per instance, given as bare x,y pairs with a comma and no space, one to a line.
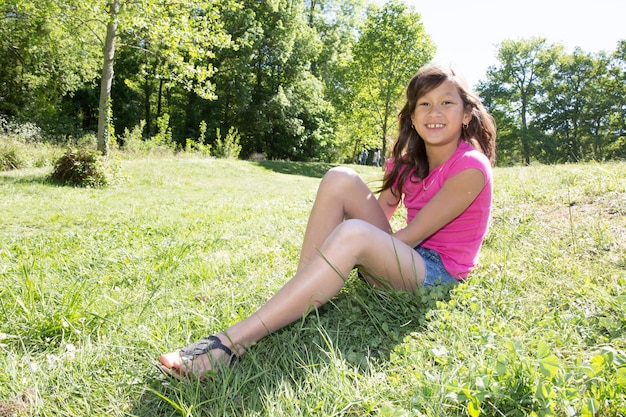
467,32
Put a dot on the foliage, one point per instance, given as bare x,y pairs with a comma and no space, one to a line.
83,167
199,146
299,80
131,140
46,55
228,147
25,132
22,146
553,106
393,45
163,137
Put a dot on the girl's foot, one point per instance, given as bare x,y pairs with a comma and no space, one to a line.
199,359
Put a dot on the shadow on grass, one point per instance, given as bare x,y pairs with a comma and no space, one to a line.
307,169
358,330
45,178
12,177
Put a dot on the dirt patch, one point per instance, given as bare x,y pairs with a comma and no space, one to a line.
20,406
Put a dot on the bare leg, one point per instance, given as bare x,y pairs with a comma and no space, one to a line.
332,248
354,242
342,194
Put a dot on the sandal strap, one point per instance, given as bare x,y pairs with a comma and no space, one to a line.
203,346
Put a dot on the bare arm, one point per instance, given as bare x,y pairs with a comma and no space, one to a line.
456,194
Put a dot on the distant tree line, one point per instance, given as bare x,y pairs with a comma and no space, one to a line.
552,106
295,79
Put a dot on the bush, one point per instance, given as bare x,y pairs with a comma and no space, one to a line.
228,147
199,146
23,132
18,155
82,168
163,138
11,157
132,141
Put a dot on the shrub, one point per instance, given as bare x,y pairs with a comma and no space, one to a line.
163,138
88,140
132,139
24,132
199,146
11,157
82,168
228,147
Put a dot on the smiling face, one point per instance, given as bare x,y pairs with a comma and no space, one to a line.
440,115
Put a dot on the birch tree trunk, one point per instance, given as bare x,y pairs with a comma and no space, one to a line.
104,108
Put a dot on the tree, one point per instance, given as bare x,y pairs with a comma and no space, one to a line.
391,48
265,84
553,106
104,111
46,54
616,84
266,87
517,85
573,110
182,35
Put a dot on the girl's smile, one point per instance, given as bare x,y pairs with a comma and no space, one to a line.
440,115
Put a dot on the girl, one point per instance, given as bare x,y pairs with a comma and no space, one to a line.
441,170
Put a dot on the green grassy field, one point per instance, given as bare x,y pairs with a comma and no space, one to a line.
96,283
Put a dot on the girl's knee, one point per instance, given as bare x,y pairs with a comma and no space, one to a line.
353,232
339,178
340,173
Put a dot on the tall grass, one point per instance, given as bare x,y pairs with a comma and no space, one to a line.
97,282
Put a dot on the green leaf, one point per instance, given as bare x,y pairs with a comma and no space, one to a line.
590,408
598,364
549,366
473,409
589,371
620,377
501,367
544,391
389,411
542,349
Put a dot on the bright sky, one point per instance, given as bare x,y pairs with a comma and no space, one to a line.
467,32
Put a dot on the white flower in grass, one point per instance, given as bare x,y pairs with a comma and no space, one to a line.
70,351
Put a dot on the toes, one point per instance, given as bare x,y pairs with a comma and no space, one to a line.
201,366
173,372
171,360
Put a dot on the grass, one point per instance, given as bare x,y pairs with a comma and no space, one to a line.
96,283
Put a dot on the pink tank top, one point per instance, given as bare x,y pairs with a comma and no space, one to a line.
458,243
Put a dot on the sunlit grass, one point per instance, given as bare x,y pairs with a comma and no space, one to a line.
96,283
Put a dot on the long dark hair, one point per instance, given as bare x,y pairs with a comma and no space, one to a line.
409,150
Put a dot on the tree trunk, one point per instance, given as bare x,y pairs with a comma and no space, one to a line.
147,91
160,99
383,151
104,108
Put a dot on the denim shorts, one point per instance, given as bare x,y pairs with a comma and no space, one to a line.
435,272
